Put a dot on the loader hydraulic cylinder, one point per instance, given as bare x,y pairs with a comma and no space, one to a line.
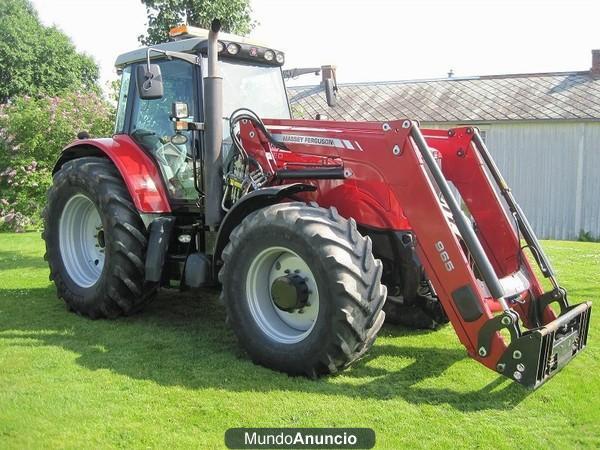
465,228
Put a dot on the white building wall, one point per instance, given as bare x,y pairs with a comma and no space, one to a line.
590,198
553,169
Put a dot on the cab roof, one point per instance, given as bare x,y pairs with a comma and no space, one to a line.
191,45
195,40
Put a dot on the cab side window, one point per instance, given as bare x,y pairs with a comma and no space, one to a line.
123,94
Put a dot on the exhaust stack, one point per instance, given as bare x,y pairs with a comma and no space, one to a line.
213,132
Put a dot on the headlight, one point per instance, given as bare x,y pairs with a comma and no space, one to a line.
279,58
269,55
233,49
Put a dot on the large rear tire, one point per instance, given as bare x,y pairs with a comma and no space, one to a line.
95,241
333,308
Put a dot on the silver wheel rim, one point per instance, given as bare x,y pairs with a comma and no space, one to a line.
280,326
81,240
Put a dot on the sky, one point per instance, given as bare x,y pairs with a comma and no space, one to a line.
373,40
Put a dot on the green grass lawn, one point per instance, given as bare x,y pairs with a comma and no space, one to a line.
173,376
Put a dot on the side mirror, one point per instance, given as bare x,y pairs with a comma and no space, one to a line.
149,82
330,92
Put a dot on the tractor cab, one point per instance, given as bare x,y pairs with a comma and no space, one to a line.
252,78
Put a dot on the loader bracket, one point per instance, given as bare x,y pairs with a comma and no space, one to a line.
538,354
558,295
508,320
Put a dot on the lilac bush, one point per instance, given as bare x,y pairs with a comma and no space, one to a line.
33,131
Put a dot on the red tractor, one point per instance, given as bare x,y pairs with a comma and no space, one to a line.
314,229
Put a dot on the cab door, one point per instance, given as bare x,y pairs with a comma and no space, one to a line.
151,126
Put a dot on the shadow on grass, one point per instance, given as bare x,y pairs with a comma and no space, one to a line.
181,340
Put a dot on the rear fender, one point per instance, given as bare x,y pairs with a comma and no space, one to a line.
139,172
251,202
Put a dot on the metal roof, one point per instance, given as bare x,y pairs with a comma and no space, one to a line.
537,96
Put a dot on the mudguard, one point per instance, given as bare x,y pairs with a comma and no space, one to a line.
139,172
251,202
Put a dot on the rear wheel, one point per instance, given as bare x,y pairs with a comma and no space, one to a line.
302,289
95,240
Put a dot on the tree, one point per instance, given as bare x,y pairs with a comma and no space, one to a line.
33,131
165,14
38,60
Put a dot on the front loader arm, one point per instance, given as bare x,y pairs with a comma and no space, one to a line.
464,166
532,356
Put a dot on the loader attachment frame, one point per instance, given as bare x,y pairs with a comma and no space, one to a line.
401,176
533,356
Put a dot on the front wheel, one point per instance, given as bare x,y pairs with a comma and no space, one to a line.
302,289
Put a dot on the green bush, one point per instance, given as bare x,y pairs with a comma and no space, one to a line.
33,131
586,236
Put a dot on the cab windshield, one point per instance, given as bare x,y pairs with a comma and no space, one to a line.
259,88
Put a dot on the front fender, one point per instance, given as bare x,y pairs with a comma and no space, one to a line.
139,172
249,203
